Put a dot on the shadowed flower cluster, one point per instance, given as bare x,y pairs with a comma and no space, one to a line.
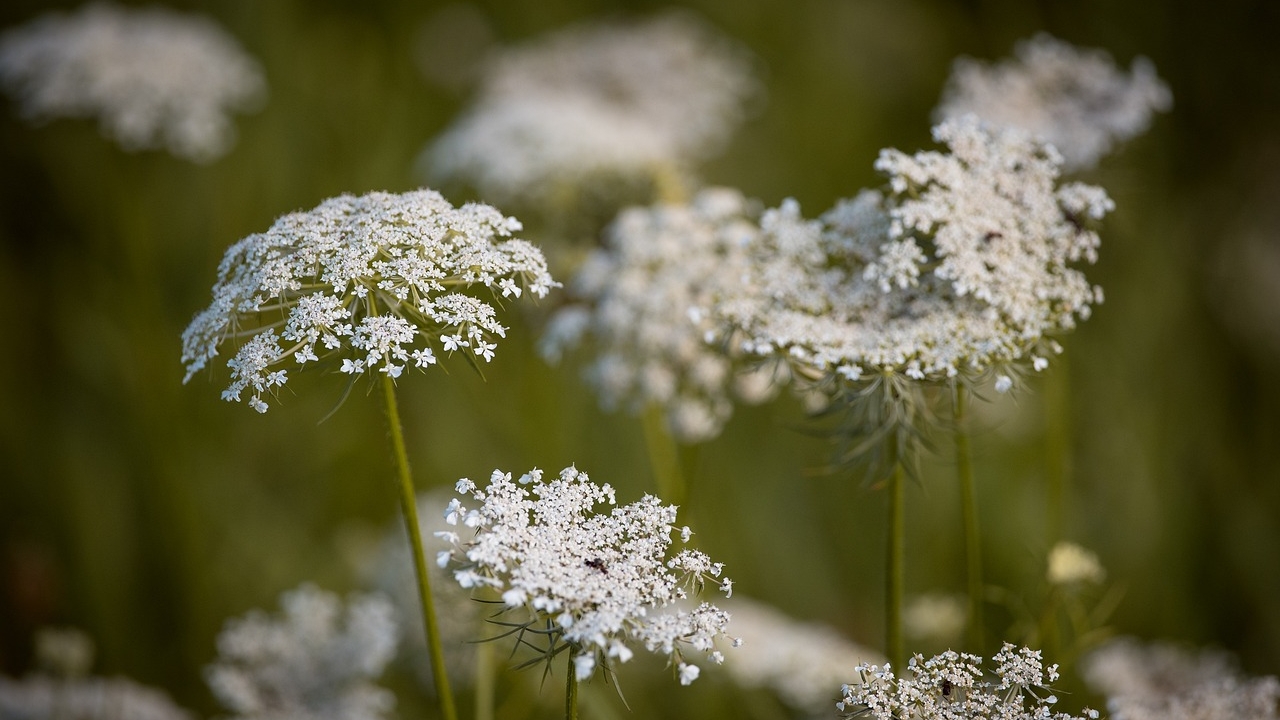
589,581
1073,98
153,77
314,661
375,281
645,309
953,686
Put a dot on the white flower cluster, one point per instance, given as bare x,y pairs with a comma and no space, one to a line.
592,579
646,306
799,661
460,618
597,100
1162,681
153,77
315,661
1075,99
953,686
375,280
41,697
1070,564
964,265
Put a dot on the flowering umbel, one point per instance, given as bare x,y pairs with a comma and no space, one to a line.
154,78
953,686
376,281
588,580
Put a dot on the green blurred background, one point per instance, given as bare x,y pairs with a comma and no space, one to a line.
147,512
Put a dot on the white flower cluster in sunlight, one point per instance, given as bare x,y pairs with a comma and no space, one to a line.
1070,563
154,78
953,686
41,697
1074,98
460,617
597,99
1163,681
597,582
799,661
646,309
376,281
313,661
963,265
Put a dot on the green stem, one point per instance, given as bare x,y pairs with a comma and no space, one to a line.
571,691
895,566
664,457
409,504
1057,441
484,681
969,511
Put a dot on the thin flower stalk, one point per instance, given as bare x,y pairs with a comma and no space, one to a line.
969,516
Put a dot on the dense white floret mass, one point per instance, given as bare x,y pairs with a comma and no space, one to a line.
954,686
598,582
376,281
154,78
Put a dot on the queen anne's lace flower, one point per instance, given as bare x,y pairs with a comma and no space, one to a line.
591,581
953,686
963,265
315,661
597,100
646,309
1076,99
153,77
1162,681
374,280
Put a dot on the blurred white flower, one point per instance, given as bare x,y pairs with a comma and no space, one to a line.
953,685
1070,563
313,661
41,697
645,311
593,581
1163,681
64,652
377,277
799,661
154,78
1075,99
938,619
604,99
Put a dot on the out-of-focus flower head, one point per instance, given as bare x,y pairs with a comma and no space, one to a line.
597,582
646,311
154,78
1074,98
315,660
800,661
1164,681
1070,563
597,101
376,281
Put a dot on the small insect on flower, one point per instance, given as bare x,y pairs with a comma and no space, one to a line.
597,564
946,688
